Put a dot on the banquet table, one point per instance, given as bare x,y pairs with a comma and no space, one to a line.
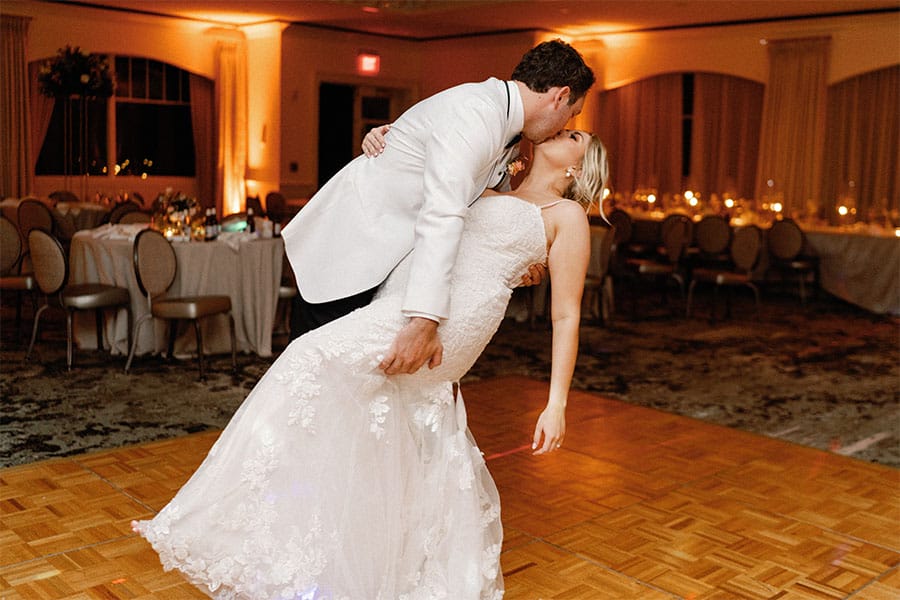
239,265
858,265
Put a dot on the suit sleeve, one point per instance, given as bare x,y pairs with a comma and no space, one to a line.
457,154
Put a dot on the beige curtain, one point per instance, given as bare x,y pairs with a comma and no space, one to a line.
641,125
792,136
202,123
16,168
231,125
725,134
863,147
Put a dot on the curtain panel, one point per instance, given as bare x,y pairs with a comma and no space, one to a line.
862,150
16,168
231,125
792,136
641,125
202,123
725,135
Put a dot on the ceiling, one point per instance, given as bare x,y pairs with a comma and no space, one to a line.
430,19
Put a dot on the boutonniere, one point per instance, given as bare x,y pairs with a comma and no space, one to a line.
515,166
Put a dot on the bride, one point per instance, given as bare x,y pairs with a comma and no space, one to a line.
336,481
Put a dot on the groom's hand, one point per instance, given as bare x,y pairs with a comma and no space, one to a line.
416,344
534,276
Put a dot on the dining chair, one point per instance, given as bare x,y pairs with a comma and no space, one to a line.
155,266
254,203
745,249
12,280
33,214
134,216
276,207
786,242
287,291
667,266
51,271
712,237
597,291
122,209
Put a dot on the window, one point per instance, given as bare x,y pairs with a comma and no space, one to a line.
152,116
76,139
153,119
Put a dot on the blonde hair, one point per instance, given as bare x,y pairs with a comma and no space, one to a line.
589,182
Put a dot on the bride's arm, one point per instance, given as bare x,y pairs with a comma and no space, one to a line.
568,257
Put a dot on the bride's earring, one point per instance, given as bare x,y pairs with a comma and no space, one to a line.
570,172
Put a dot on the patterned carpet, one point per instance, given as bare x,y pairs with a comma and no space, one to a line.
827,376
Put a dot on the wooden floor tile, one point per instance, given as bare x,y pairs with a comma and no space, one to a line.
638,504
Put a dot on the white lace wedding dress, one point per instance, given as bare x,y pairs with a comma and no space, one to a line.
333,481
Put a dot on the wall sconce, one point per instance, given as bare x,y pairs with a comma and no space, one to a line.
368,63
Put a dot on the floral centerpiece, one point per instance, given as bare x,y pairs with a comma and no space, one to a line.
173,215
72,72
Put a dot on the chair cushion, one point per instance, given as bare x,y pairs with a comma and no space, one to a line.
18,282
732,279
193,307
94,295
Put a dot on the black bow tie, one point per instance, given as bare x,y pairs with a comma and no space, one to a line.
514,141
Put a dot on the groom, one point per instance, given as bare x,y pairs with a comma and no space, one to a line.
443,153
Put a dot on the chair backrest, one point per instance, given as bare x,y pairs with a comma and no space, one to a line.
276,206
63,196
621,222
676,236
712,234
34,214
745,247
10,245
605,251
134,216
51,269
785,239
121,209
254,203
154,262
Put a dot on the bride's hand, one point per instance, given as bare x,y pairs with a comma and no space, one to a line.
373,144
551,426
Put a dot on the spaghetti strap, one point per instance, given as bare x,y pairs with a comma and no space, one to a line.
554,203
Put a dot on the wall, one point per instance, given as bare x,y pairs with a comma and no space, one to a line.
264,108
286,67
451,62
859,44
309,56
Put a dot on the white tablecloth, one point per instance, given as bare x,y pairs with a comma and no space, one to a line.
246,269
862,268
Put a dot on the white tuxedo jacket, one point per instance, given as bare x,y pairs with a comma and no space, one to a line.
441,155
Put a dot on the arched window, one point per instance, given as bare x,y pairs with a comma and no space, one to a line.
150,113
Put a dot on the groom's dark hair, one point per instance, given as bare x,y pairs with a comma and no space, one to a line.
554,64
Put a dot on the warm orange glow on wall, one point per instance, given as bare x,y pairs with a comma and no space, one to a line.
368,63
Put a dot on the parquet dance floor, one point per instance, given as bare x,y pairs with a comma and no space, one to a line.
638,504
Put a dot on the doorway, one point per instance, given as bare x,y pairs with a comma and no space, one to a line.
346,113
